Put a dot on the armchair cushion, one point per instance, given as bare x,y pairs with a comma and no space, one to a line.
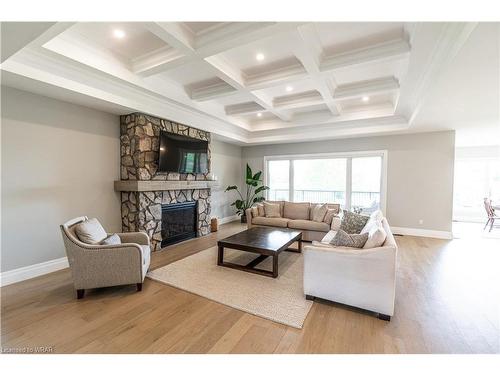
112,239
90,231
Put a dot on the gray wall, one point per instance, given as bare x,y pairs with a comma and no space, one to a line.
419,173
226,165
59,161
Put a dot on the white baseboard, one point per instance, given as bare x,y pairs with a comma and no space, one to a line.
229,219
422,233
29,272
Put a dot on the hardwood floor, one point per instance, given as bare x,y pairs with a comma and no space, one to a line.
446,302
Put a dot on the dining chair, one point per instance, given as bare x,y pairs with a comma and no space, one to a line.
490,211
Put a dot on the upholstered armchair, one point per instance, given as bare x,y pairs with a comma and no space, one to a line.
96,266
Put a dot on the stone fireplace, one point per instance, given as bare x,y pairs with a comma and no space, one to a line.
145,191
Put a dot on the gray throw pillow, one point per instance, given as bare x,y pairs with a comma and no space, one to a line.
349,240
353,223
112,239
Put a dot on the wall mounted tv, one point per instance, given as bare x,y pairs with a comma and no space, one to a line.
182,154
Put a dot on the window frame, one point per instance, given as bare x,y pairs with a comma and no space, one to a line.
333,155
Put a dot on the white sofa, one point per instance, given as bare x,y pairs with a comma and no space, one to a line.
364,278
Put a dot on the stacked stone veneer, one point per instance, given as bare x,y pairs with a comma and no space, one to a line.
139,147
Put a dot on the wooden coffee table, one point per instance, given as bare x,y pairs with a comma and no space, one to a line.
268,242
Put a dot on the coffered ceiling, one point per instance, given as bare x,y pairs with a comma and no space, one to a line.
246,82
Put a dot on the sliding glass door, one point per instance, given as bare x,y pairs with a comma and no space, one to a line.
355,180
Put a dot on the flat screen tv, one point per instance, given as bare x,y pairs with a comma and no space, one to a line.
182,154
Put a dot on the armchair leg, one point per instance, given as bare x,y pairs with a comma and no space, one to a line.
80,293
309,297
384,317
139,287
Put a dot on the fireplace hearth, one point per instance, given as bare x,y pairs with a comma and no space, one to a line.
178,222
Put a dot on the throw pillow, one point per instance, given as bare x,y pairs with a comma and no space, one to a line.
376,237
374,220
113,239
90,231
272,210
255,212
318,212
353,223
349,240
260,208
330,213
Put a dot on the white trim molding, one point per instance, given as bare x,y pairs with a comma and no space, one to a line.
35,270
445,235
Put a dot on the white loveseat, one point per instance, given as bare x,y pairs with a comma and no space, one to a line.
364,278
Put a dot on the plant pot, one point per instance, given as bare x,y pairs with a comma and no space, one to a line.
244,219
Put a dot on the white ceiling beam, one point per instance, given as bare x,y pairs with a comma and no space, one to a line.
158,61
391,50
232,76
373,87
308,50
243,108
212,91
303,99
275,77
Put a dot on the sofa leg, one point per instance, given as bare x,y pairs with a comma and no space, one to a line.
309,297
139,287
80,293
384,317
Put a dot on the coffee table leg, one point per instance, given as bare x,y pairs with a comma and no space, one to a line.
275,266
220,256
300,245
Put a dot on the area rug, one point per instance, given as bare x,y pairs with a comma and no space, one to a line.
281,300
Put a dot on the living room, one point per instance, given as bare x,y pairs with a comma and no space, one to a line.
250,187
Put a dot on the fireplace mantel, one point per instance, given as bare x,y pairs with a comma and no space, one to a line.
152,185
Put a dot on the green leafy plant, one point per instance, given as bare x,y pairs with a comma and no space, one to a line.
253,194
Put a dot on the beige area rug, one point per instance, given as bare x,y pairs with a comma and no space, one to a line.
281,300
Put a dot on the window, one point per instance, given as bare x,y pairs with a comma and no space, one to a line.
278,180
355,180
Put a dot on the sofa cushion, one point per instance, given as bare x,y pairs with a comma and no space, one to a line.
260,209
281,204
353,223
271,221
112,239
90,231
317,212
376,236
374,221
272,210
255,212
329,237
349,240
296,211
308,225
330,214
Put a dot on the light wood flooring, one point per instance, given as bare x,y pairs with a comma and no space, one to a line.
446,302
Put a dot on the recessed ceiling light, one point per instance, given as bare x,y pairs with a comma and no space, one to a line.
365,99
259,114
289,88
259,56
118,33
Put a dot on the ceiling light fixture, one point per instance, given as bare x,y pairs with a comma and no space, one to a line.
365,99
118,33
289,88
260,56
259,114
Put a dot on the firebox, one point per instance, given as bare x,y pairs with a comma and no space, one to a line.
178,222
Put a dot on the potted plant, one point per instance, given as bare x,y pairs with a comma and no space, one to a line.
253,193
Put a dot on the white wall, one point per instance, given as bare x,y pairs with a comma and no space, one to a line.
419,173
226,165
59,161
